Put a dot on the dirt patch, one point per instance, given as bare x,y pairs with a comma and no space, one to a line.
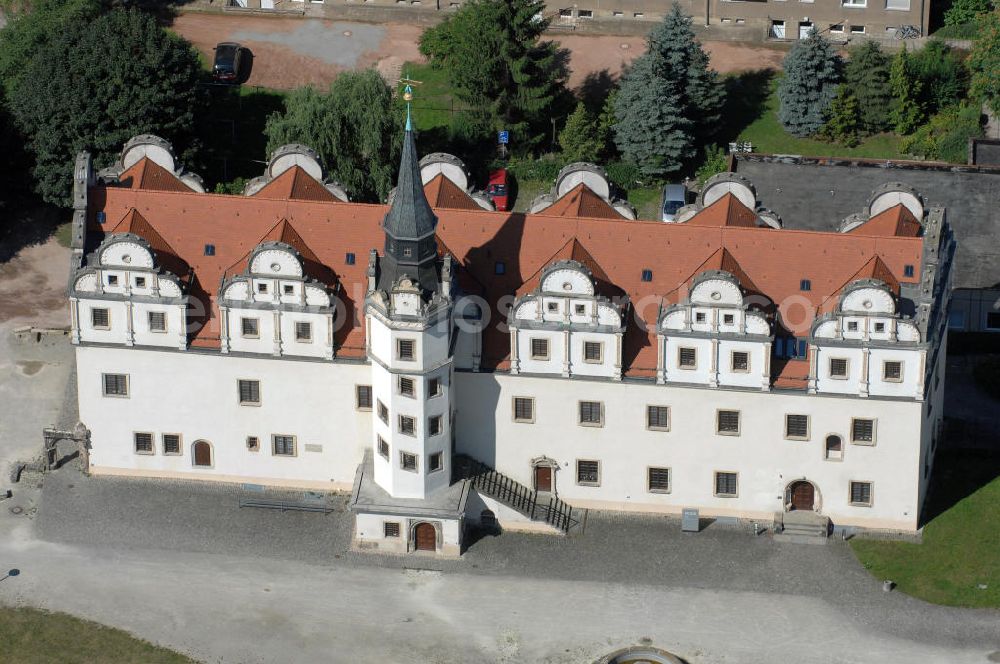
33,286
293,52
590,54
30,367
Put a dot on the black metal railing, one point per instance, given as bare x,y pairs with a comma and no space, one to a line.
555,512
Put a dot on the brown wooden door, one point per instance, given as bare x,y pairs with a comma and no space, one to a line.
803,494
425,537
202,454
543,478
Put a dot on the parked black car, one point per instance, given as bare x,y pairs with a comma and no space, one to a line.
228,57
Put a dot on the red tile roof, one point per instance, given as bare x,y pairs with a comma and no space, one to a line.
147,174
443,193
166,257
773,261
581,201
295,184
897,220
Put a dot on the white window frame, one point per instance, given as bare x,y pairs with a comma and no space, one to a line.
874,431
539,356
649,479
274,445
239,392
808,427
243,327
180,444
715,484
885,366
152,443
107,312
657,427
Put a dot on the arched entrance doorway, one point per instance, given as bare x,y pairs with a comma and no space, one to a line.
544,474
801,496
424,537
202,453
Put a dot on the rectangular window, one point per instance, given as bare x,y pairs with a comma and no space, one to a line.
283,445
591,413
435,462
140,282
838,367
900,5
580,309
879,327
539,349
253,443
553,307
700,317
728,319
726,485
658,418
892,372
728,422
408,461
434,425
100,319
303,331
363,397
592,351
741,362
405,349
907,269
288,289
862,431
115,385
837,29
390,529
861,494
407,425
687,358
658,480
858,29
250,328
805,285
588,473
383,448
249,392
499,267
993,320
261,287
433,387
524,409
854,3
143,443
797,427
112,280
383,412
852,326
407,387
157,321
171,443
349,258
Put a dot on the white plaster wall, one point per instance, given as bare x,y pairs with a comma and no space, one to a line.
195,395
826,383
369,528
754,377
702,372
557,351
609,355
765,460
264,342
118,321
321,344
175,335
909,386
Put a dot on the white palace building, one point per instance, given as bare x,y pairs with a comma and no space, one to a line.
450,365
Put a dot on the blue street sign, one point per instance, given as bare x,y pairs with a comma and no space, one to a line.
503,137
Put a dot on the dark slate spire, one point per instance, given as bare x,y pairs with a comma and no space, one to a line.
410,245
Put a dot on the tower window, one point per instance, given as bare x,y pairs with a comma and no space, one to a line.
406,387
209,249
303,331
500,268
647,275
349,259
539,349
805,285
407,252
907,270
383,448
404,349
435,462
408,461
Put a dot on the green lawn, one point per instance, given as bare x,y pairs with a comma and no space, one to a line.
30,636
961,545
646,201
64,234
767,136
433,103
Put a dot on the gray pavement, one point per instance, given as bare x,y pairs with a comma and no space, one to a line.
336,43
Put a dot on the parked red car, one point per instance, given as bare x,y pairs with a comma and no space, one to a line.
498,190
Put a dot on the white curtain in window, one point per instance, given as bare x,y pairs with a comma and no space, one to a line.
897,4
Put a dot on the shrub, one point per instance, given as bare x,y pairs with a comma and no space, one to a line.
946,136
715,162
965,11
624,175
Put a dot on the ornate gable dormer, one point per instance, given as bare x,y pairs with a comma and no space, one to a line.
132,289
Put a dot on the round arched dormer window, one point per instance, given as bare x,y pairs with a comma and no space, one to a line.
275,267
567,286
716,295
126,259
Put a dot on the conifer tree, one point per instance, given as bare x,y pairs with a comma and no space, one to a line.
844,121
812,74
670,102
906,114
578,139
867,75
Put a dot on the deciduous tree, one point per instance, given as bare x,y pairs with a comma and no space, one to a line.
97,83
355,128
812,74
984,61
